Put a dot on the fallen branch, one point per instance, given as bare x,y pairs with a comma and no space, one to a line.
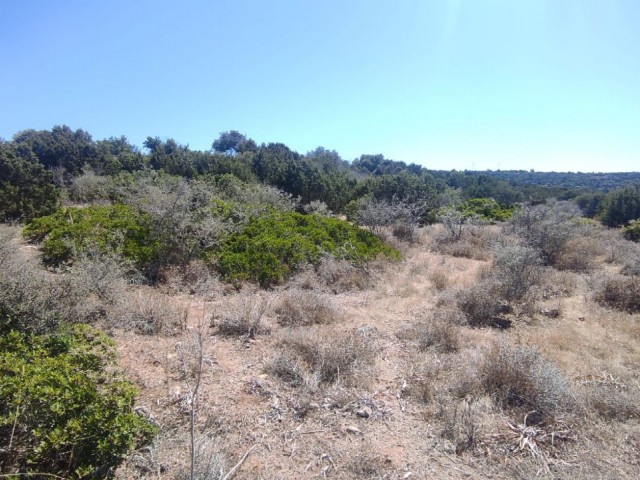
233,471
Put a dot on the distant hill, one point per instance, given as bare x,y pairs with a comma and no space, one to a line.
592,181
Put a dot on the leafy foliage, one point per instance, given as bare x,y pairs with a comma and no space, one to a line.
115,227
58,148
233,142
486,209
274,246
26,188
62,409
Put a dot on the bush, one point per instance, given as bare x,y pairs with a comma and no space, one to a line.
109,228
632,231
273,247
516,268
298,308
147,314
482,306
37,302
244,318
548,228
579,255
621,293
329,358
186,219
89,187
487,209
63,411
439,279
520,378
442,335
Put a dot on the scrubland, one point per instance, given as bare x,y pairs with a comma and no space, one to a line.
489,351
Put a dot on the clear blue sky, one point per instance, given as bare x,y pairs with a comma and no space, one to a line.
509,84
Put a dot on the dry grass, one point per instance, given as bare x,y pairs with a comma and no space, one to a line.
366,464
243,317
483,307
439,279
148,313
287,367
37,300
468,246
459,425
334,276
621,293
330,357
327,400
298,308
612,401
520,379
580,255
439,334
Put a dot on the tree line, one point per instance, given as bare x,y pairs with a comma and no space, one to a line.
36,164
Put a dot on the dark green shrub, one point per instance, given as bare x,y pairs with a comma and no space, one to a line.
273,247
63,410
115,227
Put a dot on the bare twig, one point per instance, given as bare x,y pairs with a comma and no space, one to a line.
233,471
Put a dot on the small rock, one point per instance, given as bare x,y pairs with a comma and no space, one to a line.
364,413
354,430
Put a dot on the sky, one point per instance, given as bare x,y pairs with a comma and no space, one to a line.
550,85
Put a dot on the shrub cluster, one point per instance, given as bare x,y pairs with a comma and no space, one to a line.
273,247
554,231
486,209
109,228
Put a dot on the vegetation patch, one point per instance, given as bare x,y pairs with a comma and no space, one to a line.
621,293
273,247
520,378
632,231
486,209
115,227
62,409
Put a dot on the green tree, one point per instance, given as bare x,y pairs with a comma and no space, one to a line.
116,154
26,188
170,157
233,142
621,206
58,148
